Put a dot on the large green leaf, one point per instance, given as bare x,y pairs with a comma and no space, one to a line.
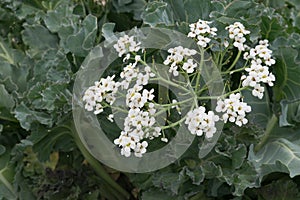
158,13
39,39
290,112
280,154
287,67
83,40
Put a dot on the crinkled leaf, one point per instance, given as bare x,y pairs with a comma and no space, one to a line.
82,41
157,13
26,116
196,175
59,17
167,180
38,38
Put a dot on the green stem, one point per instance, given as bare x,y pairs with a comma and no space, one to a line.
98,167
233,71
6,54
8,119
235,61
6,182
271,124
199,72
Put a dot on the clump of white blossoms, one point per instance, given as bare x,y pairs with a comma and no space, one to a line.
199,122
260,58
103,90
125,45
180,58
237,32
202,32
233,109
141,110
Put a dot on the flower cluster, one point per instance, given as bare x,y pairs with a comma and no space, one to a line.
201,31
258,72
140,121
105,89
199,122
140,125
233,109
237,32
125,45
179,58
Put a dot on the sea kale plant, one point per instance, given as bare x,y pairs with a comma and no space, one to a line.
199,100
140,123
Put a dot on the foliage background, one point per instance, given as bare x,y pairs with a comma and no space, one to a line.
42,45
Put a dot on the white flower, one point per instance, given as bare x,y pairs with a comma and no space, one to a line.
110,117
178,58
237,32
200,123
164,139
189,66
233,109
258,91
201,31
203,41
226,43
258,72
140,149
125,45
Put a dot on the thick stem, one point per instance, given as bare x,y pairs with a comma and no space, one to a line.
99,169
271,124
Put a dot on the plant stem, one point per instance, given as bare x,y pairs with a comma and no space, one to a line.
99,169
235,61
199,71
271,124
5,182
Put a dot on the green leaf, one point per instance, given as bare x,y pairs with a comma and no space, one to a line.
6,101
168,181
108,32
81,42
278,155
157,13
287,68
290,112
130,6
45,141
39,39
155,194
196,175
60,17
6,175
280,189
26,116
197,9
271,27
